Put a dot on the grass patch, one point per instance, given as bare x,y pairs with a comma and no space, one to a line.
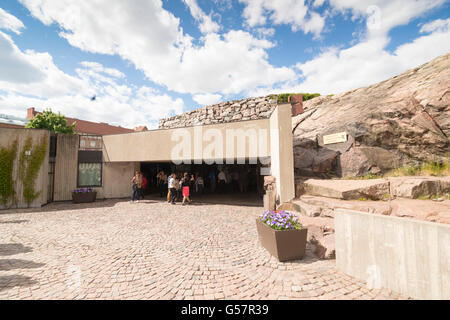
431,168
368,176
434,197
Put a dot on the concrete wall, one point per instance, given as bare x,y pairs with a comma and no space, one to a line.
282,154
66,166
158,145
117,177
7,137
408,256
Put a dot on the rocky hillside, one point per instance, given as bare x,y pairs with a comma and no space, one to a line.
401,120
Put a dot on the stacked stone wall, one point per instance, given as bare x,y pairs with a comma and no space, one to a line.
230,111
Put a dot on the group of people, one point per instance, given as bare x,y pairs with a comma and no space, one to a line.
139,183
179,186
234,181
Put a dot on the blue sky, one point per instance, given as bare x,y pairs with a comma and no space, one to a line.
148,59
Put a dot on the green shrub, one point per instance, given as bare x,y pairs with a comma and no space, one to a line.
7,157
284,97
29,166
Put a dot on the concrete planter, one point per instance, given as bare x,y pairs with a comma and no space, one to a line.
284,245
84,197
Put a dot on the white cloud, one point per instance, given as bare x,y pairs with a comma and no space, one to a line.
97,67
295,13
10,22
15,66
207,99
228,64
143,32
366,63
206,23
383,15
32,79
32,73
436,25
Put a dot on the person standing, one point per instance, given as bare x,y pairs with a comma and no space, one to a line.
229,186
235,182
185,182
136,182
199,185
192,183
222,178
144,185
172,188
162,183
212,181
178,187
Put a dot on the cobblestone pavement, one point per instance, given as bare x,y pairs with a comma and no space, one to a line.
151,250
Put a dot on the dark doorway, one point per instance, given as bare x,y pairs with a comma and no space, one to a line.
243,181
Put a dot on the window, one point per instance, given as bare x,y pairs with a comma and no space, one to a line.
90,142
89,175
89,168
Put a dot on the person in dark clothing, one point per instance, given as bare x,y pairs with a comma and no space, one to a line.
162,184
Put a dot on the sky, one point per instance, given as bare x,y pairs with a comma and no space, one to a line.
148,59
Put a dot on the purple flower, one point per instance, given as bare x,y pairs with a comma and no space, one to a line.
283,220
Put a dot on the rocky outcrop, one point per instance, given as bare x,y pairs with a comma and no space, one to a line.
405,119
318,199
230,111
376,189
416,187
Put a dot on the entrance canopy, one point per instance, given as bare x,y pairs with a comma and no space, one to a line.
268,141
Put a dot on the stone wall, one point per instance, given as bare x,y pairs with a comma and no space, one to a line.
230,111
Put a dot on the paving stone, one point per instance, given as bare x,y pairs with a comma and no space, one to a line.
116,250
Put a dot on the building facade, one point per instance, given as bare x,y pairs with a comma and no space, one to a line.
107,162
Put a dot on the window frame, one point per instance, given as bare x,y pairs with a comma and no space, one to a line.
101,175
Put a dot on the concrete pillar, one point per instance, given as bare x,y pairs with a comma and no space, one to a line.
282,152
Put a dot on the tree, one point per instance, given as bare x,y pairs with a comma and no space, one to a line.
50,121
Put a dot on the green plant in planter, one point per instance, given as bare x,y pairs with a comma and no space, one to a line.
29,166
7,157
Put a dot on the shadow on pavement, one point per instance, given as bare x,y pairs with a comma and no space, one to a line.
9,249
11,264
13,222
66,205
9,282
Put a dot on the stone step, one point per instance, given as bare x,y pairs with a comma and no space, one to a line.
329,204
376,189
416,187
